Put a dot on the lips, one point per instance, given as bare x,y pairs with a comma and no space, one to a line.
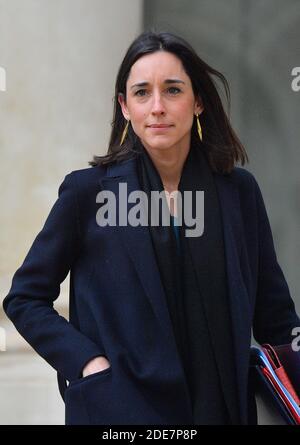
159,126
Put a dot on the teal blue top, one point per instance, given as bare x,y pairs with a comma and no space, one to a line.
175,225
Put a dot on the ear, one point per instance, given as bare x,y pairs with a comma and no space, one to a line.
122,102
198,106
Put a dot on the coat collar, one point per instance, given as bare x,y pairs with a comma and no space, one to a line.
138,243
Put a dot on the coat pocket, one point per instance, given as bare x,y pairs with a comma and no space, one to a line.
115,399
75,407
90,376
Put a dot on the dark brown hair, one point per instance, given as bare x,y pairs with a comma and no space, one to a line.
220,144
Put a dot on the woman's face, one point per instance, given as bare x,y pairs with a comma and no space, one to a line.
159,92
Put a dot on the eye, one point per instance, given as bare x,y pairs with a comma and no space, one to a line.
174,90
137,93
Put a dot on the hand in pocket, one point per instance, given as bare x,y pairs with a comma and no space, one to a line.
97,364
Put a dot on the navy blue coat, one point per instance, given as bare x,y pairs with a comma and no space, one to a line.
118,307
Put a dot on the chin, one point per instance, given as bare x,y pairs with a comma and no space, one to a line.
159,144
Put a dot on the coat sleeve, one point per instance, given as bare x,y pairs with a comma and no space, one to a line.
275,315
36,285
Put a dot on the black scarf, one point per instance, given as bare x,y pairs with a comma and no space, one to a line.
181,267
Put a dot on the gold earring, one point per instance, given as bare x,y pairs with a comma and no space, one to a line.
124,134
199,127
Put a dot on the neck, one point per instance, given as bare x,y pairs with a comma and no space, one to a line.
169,163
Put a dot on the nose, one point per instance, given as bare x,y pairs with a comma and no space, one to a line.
158,107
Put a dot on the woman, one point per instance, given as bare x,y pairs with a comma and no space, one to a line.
160,316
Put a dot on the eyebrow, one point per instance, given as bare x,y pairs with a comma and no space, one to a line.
167,81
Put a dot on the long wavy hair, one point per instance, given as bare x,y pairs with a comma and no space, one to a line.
220,145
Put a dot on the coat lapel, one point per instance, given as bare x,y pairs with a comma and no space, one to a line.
238,296
137,241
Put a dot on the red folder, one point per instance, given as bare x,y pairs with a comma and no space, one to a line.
277,371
